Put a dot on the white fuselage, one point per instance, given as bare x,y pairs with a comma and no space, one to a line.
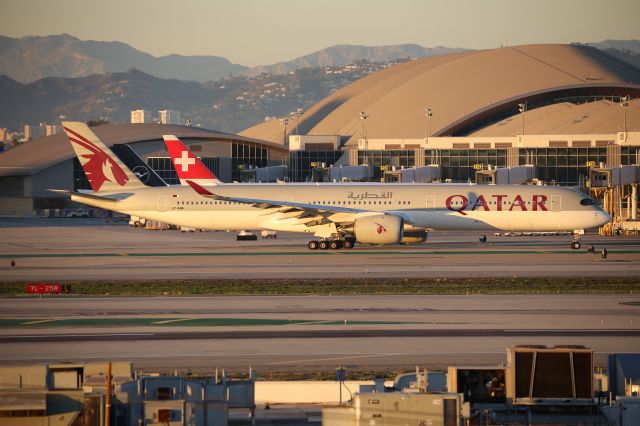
432,206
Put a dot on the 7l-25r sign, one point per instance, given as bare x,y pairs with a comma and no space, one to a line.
48,288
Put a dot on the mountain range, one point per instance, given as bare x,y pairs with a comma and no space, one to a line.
628,45
28,59
344,54
43,78
230,104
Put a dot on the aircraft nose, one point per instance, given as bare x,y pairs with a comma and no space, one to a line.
603,217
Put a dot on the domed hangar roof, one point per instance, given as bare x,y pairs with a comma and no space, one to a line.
465,91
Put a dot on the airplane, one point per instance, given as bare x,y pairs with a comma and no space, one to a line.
338,215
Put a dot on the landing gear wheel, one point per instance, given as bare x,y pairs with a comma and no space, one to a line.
575,245
335,244
323,245
348,244
313,245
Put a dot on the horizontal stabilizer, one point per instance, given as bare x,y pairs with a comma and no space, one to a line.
83,195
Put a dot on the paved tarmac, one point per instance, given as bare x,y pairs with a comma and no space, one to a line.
301,333
310,333
78,249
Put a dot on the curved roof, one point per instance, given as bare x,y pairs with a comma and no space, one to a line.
568,118
33,156
462,89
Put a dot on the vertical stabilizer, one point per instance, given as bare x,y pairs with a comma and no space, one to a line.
104,170
187,165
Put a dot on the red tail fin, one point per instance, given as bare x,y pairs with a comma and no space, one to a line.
187,165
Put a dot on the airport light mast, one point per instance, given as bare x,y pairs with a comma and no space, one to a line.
624,103
285,123
297,113
363,117
428,114
522,107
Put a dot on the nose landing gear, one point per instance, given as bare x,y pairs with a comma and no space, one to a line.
577,234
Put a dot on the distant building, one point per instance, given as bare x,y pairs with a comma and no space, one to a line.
141,116
169,116
34,131
52,129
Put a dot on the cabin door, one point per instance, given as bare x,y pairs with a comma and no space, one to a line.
162,203
431,203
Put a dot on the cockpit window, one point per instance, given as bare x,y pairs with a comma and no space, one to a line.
586,202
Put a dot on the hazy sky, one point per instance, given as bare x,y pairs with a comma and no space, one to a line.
254,32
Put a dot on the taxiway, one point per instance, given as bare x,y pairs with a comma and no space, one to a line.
89,249
309,333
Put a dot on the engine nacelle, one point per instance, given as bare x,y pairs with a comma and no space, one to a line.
382,229
413,236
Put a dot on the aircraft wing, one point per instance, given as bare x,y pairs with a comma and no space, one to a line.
308,213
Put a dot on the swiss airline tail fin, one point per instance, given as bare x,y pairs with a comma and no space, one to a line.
187,165
104,170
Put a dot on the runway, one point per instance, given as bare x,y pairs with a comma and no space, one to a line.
313,334
88,249
310,333
301,333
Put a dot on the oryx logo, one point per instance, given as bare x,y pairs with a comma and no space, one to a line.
141,173
380,229
97,164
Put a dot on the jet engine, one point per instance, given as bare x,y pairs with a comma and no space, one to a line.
381,229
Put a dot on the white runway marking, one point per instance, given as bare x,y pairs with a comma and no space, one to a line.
359,356
30,336
171,320
37,322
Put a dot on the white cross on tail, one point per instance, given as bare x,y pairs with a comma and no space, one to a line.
185,161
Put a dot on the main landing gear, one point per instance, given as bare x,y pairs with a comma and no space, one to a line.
333,244
575,244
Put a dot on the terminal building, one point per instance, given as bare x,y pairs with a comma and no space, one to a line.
550,114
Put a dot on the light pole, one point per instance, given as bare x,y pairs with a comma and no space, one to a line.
363,117
522,107
624,103
285,123
428,114
297,113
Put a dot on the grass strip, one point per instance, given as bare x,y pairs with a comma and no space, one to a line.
223,287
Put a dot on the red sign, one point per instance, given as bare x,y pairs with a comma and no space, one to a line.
47,288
